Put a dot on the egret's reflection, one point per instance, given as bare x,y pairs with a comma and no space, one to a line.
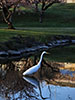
14,87
33,81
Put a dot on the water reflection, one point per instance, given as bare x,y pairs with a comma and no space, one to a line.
32,80
30,88
62,93
16,87
52,92
69,66
37,84
68,72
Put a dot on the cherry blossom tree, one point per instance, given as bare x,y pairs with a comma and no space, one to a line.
6,6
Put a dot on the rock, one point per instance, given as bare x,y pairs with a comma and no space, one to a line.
14,53
18,46
3,54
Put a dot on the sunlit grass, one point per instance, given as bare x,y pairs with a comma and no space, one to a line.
42,34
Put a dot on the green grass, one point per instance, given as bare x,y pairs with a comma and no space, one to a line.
42,34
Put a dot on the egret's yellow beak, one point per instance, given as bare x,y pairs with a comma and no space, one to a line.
47,53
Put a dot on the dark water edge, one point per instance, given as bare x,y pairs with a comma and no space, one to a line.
23,47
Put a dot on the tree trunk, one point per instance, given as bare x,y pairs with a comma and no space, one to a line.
41,16
10,26
7,16
36,6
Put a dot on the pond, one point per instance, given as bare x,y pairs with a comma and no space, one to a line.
38,91
17,87
53,92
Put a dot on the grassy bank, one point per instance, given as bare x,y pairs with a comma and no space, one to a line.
62,54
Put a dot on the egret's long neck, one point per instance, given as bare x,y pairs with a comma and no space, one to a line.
41,58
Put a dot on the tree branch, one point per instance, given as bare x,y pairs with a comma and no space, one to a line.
44,6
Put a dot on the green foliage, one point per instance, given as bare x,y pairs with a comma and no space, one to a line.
58,15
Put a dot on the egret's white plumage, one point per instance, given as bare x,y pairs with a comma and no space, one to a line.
36,67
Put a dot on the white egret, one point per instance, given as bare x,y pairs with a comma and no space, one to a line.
36,67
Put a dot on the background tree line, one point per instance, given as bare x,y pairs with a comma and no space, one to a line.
8,8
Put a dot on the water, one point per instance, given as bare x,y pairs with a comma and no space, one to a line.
29,88
16,87
54,92
68,72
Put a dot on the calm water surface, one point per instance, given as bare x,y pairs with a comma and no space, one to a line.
30,88
53,92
